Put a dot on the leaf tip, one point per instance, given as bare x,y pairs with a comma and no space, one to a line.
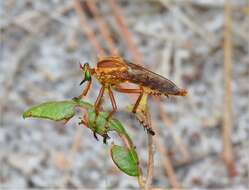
26,114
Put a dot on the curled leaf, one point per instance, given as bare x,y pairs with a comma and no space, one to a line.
55,110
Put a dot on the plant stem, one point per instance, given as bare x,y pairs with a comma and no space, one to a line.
150,163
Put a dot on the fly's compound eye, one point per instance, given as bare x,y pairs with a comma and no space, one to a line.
86,73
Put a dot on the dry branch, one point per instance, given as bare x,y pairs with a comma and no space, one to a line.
168,123
125,31
87,29
227,117
169,170
103,28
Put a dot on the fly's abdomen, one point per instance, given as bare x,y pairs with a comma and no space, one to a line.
156,86
153,83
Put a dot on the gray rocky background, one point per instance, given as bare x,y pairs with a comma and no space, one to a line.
41,45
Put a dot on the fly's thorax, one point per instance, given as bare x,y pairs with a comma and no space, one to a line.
110,76
110,69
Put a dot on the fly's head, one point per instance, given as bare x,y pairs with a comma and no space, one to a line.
86,71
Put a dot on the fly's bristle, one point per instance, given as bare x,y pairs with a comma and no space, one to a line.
181,92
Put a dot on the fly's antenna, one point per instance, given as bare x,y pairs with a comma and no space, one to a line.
81,66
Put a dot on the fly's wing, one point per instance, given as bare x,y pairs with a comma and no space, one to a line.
144,77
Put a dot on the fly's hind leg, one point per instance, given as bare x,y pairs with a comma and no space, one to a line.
134,110
132,91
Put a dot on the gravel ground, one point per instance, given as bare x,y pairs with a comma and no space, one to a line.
41,45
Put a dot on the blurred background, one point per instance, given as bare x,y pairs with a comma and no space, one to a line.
201,141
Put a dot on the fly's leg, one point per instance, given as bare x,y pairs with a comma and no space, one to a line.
128,90
97,107
114,105
134,110
86,90
132,91
83,94
114,109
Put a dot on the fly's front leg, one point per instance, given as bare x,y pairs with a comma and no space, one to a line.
97,108
114,105
114,109
86,90
83,94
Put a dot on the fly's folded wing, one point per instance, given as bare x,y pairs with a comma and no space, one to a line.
157,83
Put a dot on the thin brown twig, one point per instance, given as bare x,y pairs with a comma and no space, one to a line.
103,28
227,117
166,162
186,20
87,29
168,123
71,156
150,162
116,10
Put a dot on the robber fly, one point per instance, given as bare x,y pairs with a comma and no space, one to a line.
113,71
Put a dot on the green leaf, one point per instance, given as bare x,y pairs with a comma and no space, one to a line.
112,125
64,110
61,110
81,103
125,159
57,111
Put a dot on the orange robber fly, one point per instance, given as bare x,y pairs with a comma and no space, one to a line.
112,71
